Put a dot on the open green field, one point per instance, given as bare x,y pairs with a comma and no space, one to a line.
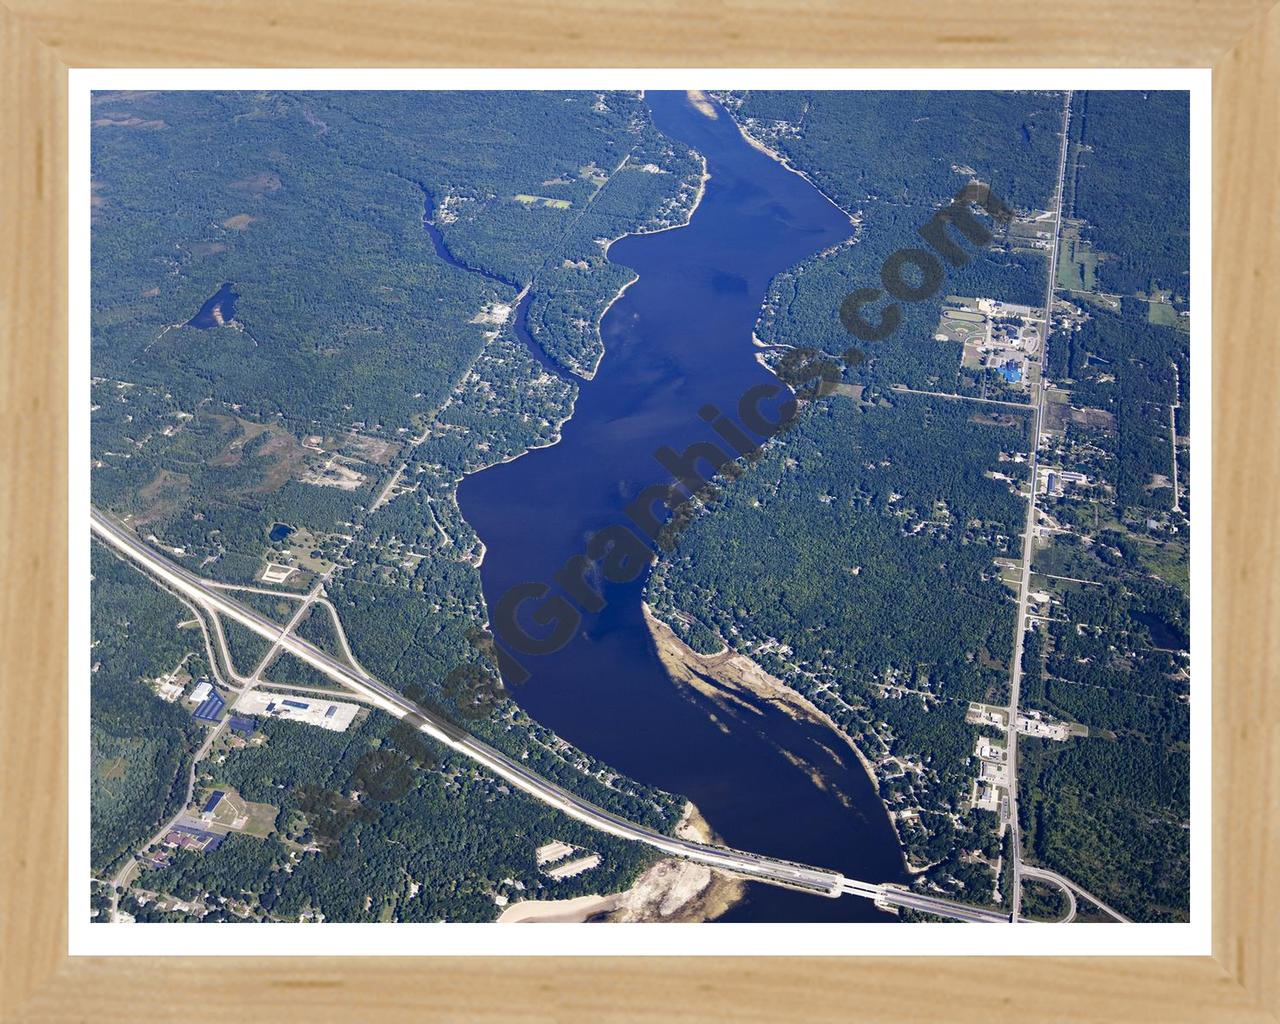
240,815
555,204
1077,263
280,609
1162,313
1110,303
962,325
262,819
1057,583
1168,560
1057,409
302,546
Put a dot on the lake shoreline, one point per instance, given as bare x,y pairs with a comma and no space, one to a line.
606,690
738,672
672,890
773,154
697,201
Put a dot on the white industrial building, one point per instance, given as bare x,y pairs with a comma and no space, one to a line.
327,714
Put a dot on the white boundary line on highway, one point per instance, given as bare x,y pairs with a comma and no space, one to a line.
733,939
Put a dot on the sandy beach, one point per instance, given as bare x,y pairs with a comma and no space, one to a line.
736,673
702,104
772,153
672,890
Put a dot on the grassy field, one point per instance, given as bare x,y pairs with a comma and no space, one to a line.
239,815
962,325
112,769
1057,409
1169,561
555,204
279,609
302,543
1162,313
1076,263
1107,302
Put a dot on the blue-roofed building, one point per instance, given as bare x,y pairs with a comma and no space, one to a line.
295,704
242,725
215,798
1010,372
211,710
191,838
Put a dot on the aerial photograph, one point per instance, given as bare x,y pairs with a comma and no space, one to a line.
639,506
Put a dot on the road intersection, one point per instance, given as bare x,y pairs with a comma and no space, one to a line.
1028,537
216,602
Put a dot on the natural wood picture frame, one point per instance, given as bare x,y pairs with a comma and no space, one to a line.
42,39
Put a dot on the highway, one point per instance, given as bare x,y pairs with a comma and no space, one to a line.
1072,890
893,896
216,602
1028,537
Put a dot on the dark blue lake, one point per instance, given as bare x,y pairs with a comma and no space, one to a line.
1163,634
279,531
679,339
219,309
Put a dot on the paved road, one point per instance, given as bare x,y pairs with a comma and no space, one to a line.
316,592
827,883
1173,433
892,896
1072,890
749,865
903,389
121,881
1028,537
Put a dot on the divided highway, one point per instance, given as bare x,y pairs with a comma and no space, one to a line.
749,865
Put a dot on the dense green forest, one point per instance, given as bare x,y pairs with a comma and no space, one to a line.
440,845
378,245
285,668
890,159
1125,365
1043,901
317,627
247,647
814,542
1113,813
292,409
1132,186
1112,810
140,746
368,249
912,148
854,561
278,609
